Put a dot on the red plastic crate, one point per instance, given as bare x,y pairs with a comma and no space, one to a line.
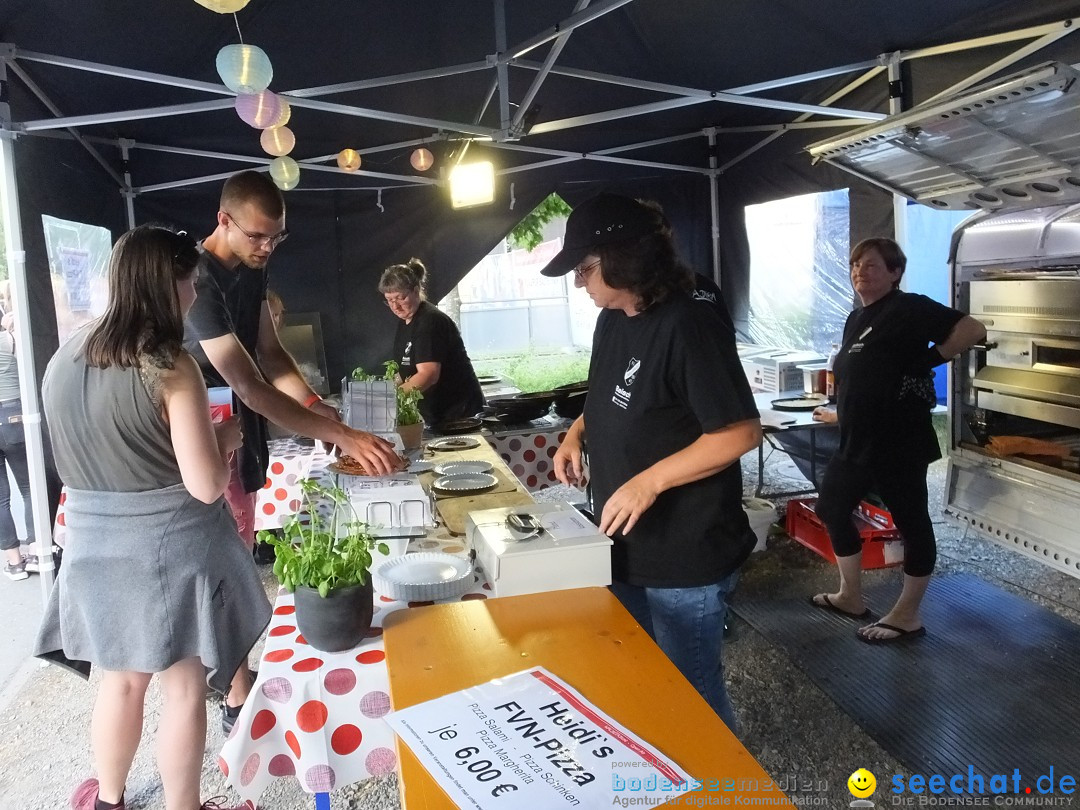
882,546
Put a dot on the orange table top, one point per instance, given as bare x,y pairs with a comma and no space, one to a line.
588,639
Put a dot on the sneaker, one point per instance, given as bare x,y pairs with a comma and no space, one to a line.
228,717
15,572
86,794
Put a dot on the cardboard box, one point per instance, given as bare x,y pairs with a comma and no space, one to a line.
570,552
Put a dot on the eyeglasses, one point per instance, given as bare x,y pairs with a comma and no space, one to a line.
581,272
396,300
260,238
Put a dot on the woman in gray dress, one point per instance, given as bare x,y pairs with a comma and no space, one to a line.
155,577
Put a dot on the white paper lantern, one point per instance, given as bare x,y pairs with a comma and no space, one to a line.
422,159
259,110
244,68
278,141
223,6
285,172
348,160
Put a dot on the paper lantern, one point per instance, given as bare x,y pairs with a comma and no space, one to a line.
260,110
472,184
285,113
278,141
244,68
348,160
421,159
285,172
223,6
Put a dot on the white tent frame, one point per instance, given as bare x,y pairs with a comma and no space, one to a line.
508,137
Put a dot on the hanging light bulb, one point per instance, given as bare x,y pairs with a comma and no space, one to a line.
259,110
285,172
223,6
348,160
422,159
244,68
285,113
278,141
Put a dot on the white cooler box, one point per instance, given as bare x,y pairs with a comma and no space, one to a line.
570,552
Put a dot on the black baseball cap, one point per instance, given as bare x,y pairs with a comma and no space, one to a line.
601,220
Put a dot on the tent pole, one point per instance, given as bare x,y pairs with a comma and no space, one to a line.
129,195
31,412
896,106
714,205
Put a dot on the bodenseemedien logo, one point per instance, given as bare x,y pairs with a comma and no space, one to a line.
862,784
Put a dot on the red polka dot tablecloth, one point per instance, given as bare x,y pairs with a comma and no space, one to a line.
315,716
528,453
290,461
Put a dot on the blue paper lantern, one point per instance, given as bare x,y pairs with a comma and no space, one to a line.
244,68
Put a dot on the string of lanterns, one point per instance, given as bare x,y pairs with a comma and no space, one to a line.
247,71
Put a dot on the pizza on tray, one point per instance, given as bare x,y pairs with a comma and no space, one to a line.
347,465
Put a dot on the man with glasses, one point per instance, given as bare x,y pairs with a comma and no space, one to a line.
230,332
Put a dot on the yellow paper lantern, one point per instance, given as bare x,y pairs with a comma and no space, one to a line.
223,6
285,113
285,172
348,160
422,159
278,141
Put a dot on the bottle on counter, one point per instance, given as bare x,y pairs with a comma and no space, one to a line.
830,376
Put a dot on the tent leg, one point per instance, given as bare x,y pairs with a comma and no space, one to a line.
714,206
31,412
896,106
128,194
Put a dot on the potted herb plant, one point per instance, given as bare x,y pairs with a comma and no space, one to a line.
410,424
324,558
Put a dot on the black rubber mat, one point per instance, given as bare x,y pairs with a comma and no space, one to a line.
995,682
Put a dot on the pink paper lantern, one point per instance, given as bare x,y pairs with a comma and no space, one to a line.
259,110
278,141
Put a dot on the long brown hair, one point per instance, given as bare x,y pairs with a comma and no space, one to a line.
143,315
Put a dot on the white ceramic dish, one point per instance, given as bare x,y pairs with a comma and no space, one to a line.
461,467
454,443
423,577
465,483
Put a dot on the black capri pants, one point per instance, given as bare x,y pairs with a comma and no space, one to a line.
902,486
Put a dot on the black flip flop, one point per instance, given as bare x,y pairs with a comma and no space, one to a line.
901,634
831,607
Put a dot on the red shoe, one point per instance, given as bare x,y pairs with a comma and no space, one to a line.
85,796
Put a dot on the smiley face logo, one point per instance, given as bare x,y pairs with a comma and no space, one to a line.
861,783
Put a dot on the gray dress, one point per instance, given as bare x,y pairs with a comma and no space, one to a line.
150,575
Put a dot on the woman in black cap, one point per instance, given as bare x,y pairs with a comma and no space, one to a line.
668,416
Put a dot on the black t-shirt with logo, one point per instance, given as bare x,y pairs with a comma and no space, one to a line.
657,381
432,337
231,301
705,289
884,343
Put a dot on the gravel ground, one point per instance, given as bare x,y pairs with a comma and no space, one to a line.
794,730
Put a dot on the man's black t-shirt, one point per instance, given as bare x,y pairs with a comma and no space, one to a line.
432,337
884,343
705,289
657,381
231,301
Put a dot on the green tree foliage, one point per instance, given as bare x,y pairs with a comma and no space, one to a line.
529,232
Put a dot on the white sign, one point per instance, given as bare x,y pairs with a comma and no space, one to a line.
529,740
76,270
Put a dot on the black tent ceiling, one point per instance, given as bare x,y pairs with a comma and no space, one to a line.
688,50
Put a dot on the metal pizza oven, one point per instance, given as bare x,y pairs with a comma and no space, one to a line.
1009,150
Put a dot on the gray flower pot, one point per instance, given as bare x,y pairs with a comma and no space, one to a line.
338,622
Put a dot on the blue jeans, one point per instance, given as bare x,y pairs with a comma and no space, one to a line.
688,625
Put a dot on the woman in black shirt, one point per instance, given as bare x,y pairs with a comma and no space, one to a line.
884,398
428,348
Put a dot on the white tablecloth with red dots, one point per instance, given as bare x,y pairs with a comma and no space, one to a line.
318,716
528,452
290,461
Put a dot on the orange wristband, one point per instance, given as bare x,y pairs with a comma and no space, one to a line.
312,400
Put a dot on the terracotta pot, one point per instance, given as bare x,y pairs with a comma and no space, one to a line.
411,435
338,622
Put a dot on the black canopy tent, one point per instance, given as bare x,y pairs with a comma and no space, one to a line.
117,116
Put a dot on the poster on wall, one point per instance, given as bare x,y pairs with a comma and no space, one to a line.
75,264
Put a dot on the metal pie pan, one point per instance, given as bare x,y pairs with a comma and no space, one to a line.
465,483
462,467
423,577
454,443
